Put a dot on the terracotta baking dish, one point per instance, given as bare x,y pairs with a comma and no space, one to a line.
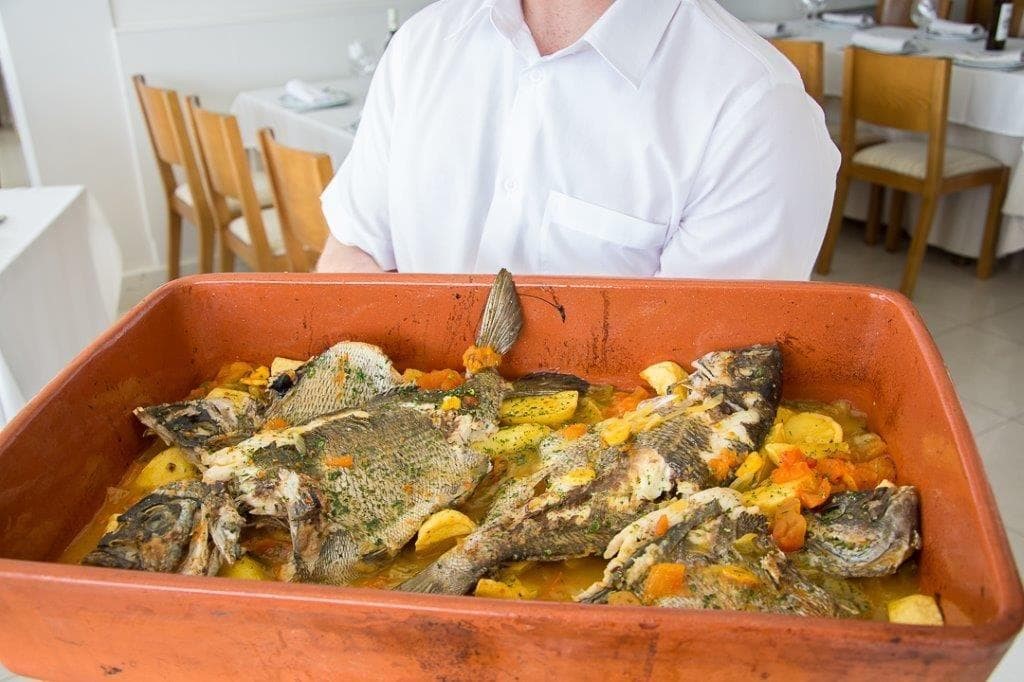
76,438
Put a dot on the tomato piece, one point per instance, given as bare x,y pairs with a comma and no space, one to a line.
789,530
440,380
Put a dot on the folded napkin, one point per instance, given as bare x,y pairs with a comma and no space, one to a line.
767,29
991,60
858,20
882,43
306,93
955,28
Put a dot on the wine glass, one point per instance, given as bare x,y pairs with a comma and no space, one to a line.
923,14
814,8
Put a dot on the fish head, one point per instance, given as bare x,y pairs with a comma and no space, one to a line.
866,533
155,533
754,369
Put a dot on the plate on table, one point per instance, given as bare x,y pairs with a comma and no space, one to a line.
336,98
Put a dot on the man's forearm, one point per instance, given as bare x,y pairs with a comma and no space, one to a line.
338,257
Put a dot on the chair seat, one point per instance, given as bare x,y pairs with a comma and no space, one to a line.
861,139
260,183
911,158
271,225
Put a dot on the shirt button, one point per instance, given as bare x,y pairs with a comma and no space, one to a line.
536,76
511,185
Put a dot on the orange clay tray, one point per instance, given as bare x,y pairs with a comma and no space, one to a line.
77,437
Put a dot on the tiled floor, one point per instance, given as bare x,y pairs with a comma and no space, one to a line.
979,326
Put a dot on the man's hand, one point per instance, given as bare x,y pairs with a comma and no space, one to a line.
338,257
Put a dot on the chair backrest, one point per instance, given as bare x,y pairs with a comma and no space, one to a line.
897,12
808,58
172,147
297,179
1017,22
896,91
223,156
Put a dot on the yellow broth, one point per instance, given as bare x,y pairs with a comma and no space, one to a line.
269,542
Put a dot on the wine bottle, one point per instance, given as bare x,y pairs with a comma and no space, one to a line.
999,24
392,27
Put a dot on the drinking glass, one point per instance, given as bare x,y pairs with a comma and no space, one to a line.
923,14
814,8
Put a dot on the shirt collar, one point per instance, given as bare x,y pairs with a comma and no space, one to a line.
626,35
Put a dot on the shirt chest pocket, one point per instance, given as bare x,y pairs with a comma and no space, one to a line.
580,238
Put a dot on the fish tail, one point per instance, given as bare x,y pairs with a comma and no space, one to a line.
427,581
503,315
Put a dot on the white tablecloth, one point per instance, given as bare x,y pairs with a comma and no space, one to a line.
321,130
60,278
986,113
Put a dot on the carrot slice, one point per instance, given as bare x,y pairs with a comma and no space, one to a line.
340,462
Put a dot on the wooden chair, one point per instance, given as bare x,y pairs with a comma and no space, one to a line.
897,12
808,57
173,149
980,12
255,235
909,93
298,178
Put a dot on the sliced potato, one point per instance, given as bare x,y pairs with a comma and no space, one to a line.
451,403
446,524
549,410
587,412
749,473
663,375
615,431
168,466
282,365
512,439
917,609
245,568
812,428
770,496
776,450
777,434
493,589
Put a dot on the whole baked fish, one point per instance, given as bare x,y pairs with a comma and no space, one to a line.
863,534
724,557
586,491
355,485
345,375
183,527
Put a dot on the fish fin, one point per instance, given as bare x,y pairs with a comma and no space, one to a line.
542,383
424,582
503,315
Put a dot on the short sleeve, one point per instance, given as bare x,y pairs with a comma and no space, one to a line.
355,202
760,202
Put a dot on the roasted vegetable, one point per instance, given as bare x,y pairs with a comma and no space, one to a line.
245,568
166,467
663,376
493,589
917,609
512,439
587,412
550,410
446,524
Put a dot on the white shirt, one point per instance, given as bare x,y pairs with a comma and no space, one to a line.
668,140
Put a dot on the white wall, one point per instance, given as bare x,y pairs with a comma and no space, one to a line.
68,63
215,49
61,69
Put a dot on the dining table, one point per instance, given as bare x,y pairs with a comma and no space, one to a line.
60,281
986,114
330,130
